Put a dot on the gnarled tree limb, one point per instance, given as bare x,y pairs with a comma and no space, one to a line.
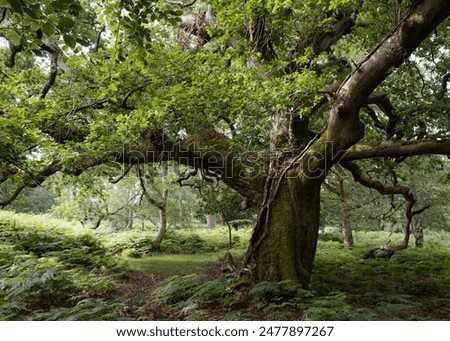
390,190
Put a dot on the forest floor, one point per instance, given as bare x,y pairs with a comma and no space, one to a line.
411,285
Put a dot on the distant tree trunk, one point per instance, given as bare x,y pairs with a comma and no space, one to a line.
345,214
162,228
418,233
211,221
338,188
129,221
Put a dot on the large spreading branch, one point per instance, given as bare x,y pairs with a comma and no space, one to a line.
31,180
344,125
322,40
397,149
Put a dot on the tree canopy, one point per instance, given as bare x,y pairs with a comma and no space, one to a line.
264,95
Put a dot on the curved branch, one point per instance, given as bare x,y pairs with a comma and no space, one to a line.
153,202
124,104
390,190
53,70
15,49
188,4
31,180
381,100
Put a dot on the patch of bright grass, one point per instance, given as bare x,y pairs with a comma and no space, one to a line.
169,265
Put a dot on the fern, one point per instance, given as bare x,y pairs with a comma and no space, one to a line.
52,270
14,311
176,289
219,289
89,309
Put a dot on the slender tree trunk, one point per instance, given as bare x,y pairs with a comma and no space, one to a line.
162,228
418,234
129,222
346,227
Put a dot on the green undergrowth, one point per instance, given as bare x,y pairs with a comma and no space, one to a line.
413,284
53,273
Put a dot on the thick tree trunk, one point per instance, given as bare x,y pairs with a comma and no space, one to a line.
284,242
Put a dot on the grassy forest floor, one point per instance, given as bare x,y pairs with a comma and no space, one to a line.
51,271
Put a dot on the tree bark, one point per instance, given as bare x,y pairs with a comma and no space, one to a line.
418,234
283,244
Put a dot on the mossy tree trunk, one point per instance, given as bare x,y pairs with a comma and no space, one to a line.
283,245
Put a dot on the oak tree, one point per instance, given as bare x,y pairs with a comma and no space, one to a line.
265,96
